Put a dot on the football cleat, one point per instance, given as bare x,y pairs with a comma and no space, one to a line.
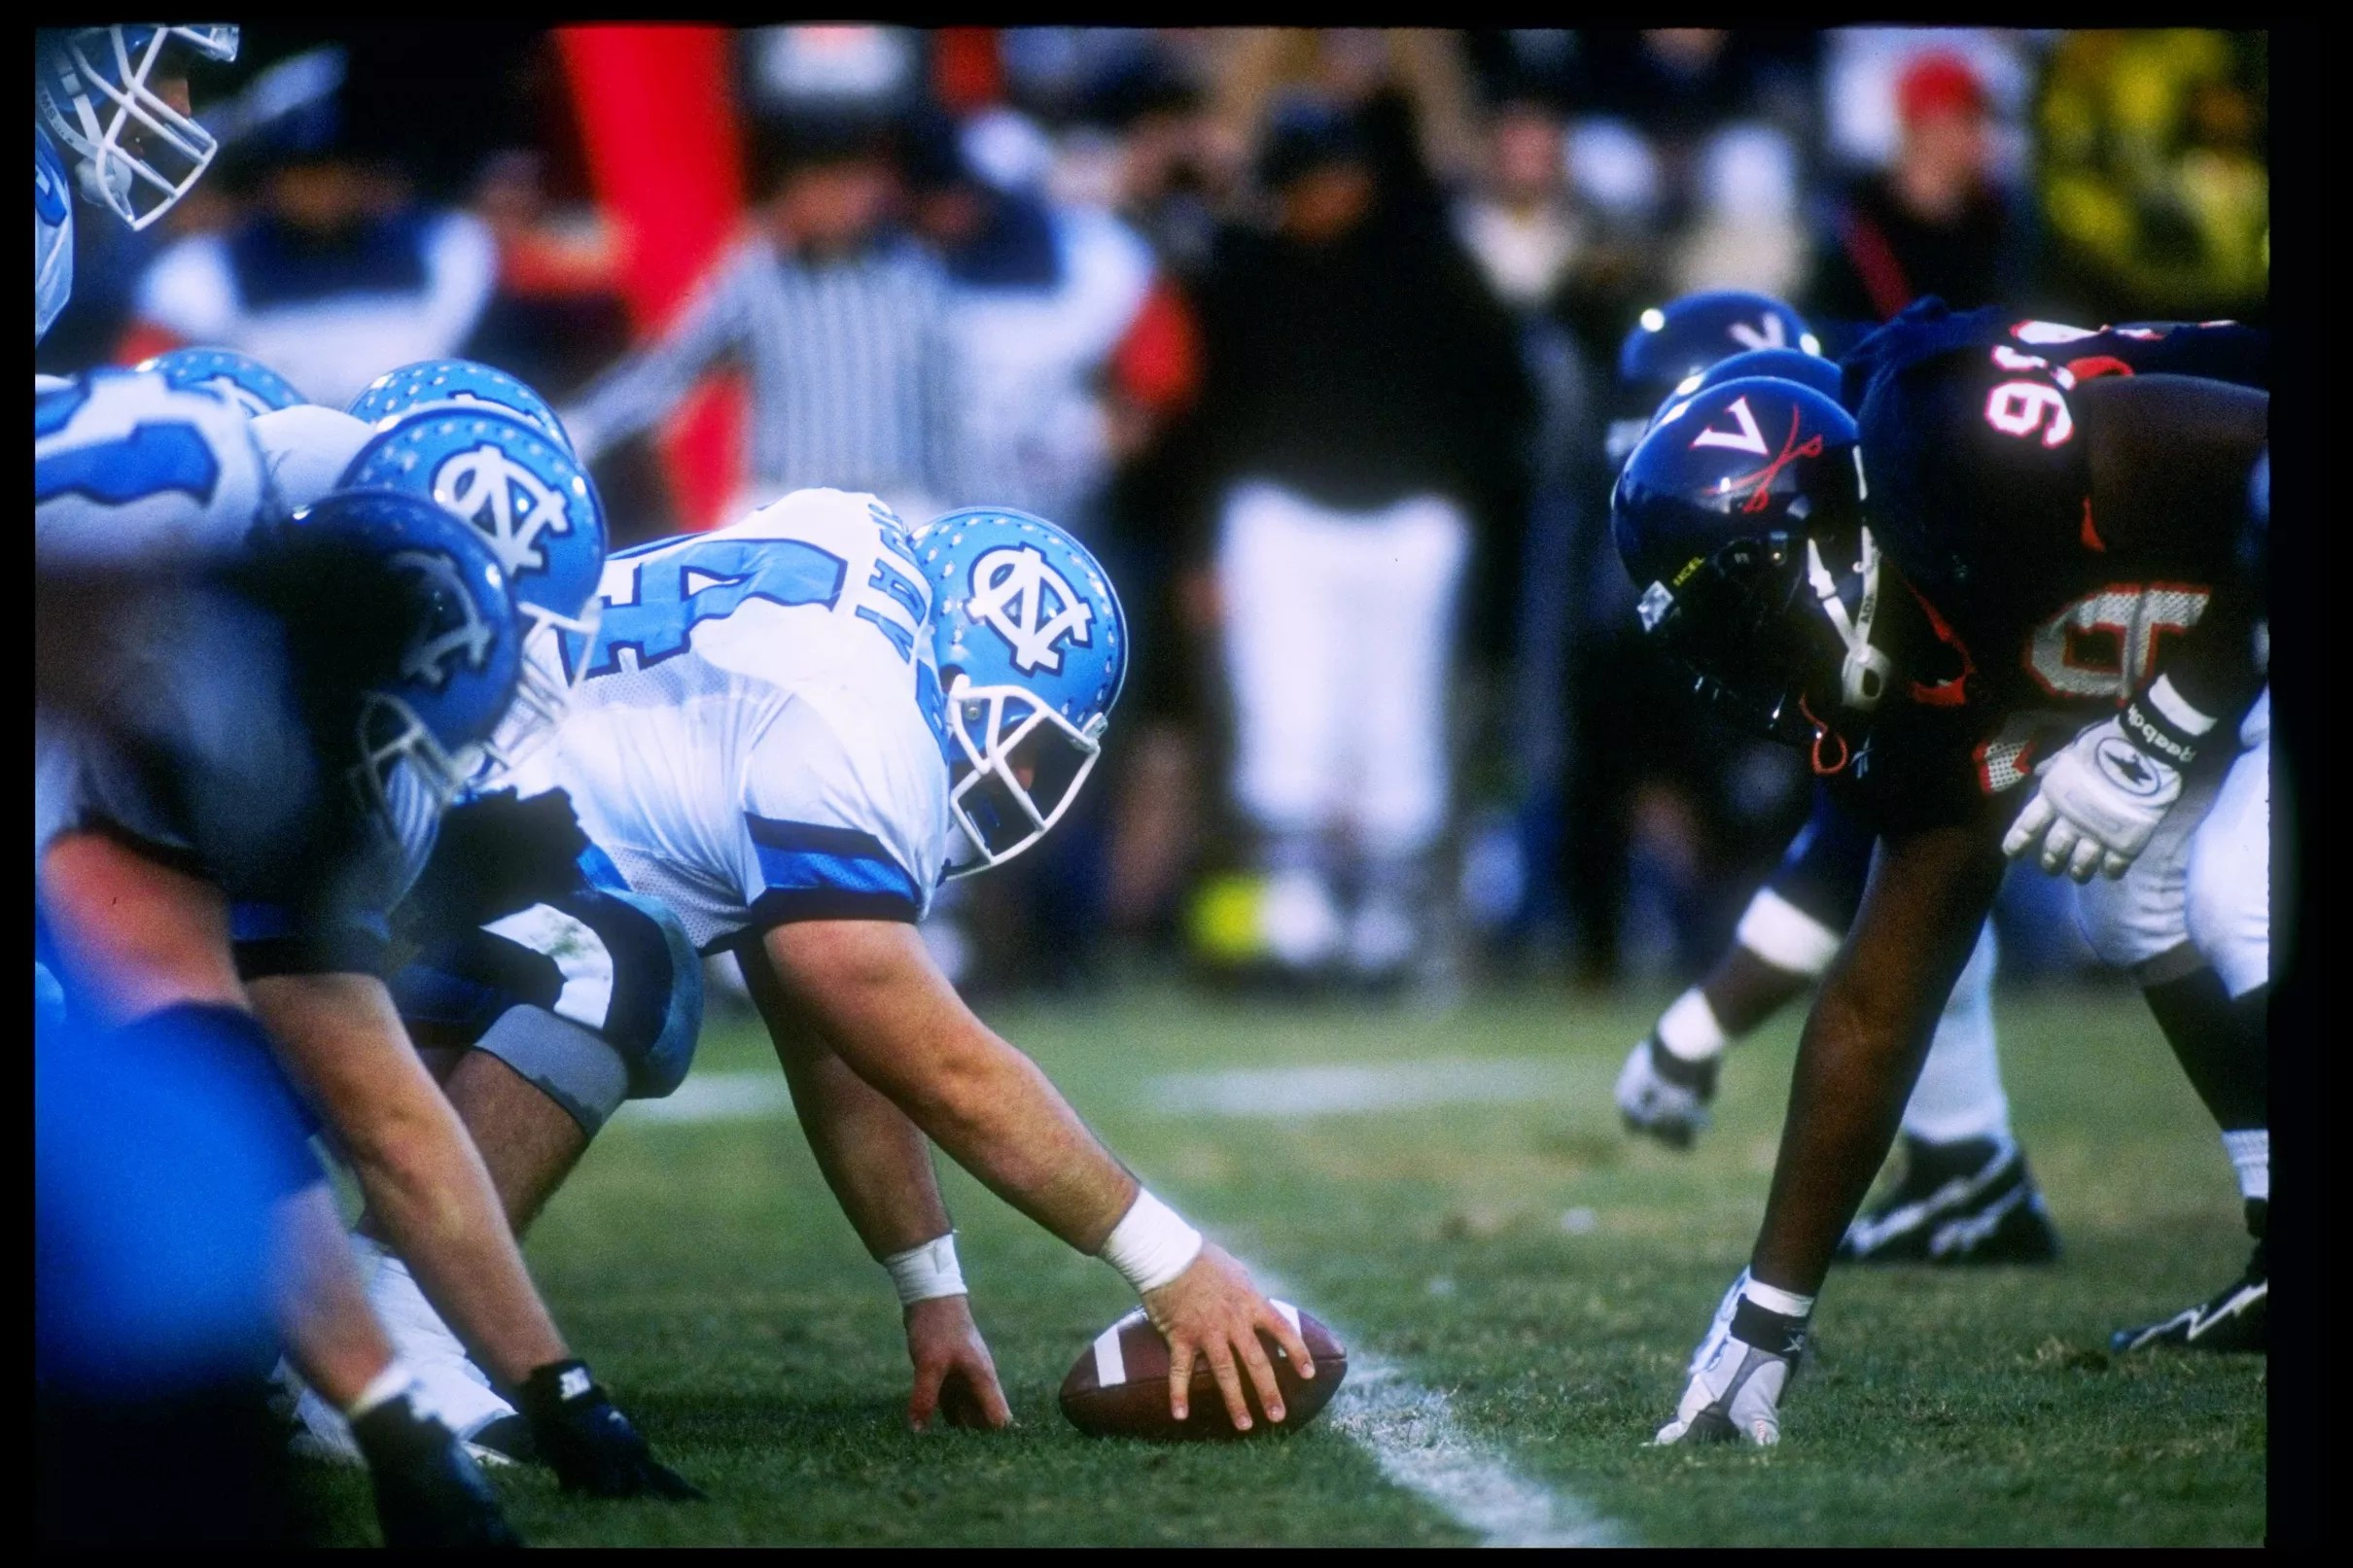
1969,1202
1664,1095
2235,1319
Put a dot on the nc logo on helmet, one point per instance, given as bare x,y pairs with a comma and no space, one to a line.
429,658
1028,604
509,505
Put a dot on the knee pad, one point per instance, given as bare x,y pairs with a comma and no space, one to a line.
596,997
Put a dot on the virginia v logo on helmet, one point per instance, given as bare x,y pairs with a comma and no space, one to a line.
1740,518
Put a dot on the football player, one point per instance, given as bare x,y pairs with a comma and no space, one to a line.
1965,1194
316,972
783,734
2004,611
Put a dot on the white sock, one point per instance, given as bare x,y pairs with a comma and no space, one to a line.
2250,1151
1689,1029
1960,1095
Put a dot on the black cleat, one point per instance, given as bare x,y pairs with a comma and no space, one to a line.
429,1490
1971,1202
2233,1319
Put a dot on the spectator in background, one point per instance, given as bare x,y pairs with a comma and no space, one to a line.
1935,222
1363,401
1041,297
336,275
2152,177
841,322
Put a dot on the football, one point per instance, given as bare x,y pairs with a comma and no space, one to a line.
1119,1386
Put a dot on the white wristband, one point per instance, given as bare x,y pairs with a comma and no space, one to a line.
1151,1244
925,1272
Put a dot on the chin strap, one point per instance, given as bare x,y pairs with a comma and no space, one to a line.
1863,674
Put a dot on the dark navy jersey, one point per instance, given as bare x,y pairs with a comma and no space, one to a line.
2038,620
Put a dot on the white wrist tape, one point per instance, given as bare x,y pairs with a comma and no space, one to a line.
925,1272
1151,1244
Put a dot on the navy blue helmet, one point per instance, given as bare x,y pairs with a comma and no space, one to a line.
1675,343
1740,518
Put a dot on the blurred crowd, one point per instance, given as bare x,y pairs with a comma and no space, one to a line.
1310,334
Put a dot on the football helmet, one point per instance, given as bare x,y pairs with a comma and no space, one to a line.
456,386
95,89
459,655
1030,648
1740,518
254,387
1672,343
526,498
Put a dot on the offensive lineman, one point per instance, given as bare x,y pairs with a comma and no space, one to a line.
1935,596
784,732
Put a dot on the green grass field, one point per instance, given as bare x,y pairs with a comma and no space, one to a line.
1544,1272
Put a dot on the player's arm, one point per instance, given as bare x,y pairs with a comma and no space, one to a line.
894,1020
1863,1042
879,1166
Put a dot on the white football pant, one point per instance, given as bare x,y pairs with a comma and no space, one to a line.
1339,639
2204,881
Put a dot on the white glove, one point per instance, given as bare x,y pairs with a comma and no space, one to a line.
2097,802
1736,1383
1674,1109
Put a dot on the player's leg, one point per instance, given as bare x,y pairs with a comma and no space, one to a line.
561,1012
1401,633
1786,937
2215,1017
1280,627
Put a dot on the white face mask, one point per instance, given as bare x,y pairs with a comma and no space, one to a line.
990,782
135,153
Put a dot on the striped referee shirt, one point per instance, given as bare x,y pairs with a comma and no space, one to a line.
852,368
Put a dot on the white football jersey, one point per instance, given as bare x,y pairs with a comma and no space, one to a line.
128,470
753,737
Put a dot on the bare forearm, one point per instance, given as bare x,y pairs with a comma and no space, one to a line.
424,1181
875,1160
1845,1099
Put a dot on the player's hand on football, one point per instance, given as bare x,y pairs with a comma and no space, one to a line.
954,1375
1664,1098
1736,1375
1213,1312
589,1443
2095,805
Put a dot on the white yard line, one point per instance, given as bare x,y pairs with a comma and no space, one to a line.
1286,1093
1411,1432
1246,1092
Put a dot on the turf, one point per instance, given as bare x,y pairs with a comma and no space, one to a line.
1546,1272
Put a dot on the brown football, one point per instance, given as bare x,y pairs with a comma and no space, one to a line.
1119,1387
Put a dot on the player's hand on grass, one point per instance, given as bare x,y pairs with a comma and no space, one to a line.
589,1443
1738,1375
2095,805
954,1375
1213,1312
1664,1097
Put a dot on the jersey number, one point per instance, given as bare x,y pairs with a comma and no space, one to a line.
707,582
714,580
2104,644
